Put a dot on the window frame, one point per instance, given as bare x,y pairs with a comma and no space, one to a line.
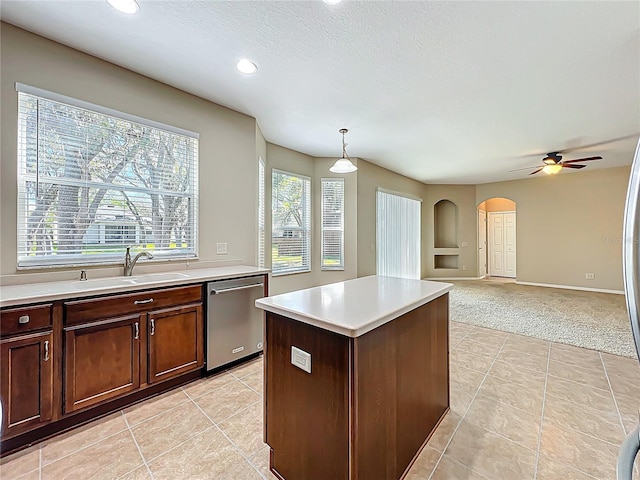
306,232
262,182
323,228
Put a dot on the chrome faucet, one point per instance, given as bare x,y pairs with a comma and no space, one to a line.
129,263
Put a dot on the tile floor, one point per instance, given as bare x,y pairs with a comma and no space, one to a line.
521,409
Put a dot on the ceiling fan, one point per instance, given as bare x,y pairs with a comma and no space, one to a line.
553,163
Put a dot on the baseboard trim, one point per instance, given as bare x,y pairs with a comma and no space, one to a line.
571,287
453,278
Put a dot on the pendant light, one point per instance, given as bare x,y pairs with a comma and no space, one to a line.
344,164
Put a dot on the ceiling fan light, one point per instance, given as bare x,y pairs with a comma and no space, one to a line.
343,165
552,169
125,6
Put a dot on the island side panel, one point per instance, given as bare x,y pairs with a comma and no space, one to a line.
401,389
307,414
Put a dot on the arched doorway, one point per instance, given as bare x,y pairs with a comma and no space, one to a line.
497,238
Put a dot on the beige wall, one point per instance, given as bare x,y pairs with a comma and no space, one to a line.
228,164
370,177
568,225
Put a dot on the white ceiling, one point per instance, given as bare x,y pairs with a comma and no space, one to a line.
443,92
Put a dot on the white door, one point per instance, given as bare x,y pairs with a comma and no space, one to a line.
482,243
510,244
502,244
496,242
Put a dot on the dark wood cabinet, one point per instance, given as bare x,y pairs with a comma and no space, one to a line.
175,344
26,387
102,361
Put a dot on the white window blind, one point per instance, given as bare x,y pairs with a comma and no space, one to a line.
92,181
261,245
332,224
291,232
397,235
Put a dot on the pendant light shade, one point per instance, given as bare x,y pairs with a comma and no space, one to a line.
344,164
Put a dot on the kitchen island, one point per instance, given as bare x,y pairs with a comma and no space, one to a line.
356,377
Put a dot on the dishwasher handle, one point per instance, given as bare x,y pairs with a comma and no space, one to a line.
235,289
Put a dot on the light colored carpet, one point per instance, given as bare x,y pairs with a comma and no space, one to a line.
586,319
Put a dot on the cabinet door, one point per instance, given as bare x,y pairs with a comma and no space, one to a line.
175,342
27,382
102,361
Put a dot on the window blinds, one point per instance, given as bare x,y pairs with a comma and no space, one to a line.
397,235
332,230
91,183
291,217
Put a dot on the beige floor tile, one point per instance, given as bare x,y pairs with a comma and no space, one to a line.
449,469
35,475
490,454
140,473
465,377
593,376
620,365
489,337
247,368
423,466
20,463
626,384
581,357
588,454
200,387
472,361
460,397
629,408
520,346
515,373
165,431
525,398
82,437
245,429
255,381
260,461
471,346
580,393
567,414
551,470
445,430
109,458
154,406
220,404
518,357
207,455
518,425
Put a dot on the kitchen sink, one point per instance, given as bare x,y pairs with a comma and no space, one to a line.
158,277
124,281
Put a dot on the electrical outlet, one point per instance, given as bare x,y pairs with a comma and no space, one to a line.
301,359
464,268
590,276
221,248
465,244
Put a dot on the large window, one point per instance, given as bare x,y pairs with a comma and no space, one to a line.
397,235
261,212
92,181
291,232
332,224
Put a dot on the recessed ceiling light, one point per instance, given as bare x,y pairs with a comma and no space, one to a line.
331,2
125,6
246,66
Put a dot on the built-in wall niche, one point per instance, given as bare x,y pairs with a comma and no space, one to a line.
445,224
446,261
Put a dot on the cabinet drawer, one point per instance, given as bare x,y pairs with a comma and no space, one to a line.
25,319
93,309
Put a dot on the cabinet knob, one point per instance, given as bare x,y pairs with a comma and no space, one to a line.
23,319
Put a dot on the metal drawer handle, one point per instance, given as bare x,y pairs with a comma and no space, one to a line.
218,291
137,335
23,319
142,302
46,350
153,326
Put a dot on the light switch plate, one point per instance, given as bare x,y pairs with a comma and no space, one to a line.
221,248
301,359
465,244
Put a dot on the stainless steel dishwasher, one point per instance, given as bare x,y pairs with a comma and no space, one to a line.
234,324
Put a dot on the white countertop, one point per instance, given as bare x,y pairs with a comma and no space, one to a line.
49,291
354,307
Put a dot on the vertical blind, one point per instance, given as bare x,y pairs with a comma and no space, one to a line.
397,235
260,212
91,183
291,230
332,230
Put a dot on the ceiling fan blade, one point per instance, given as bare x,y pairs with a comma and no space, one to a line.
573,166
582,160
597,144
525,168
536,171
